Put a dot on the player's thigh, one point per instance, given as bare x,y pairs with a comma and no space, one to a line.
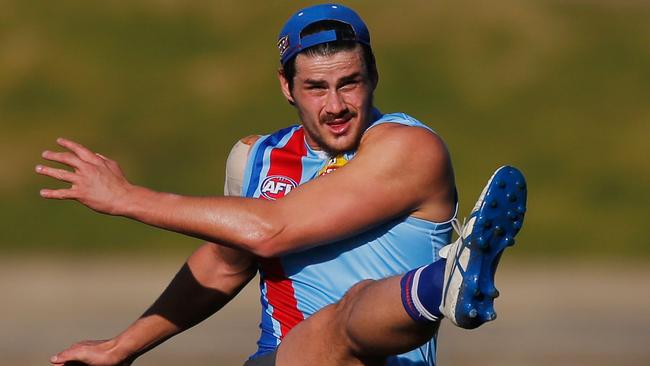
322,339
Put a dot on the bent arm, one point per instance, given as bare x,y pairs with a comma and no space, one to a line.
212,276
209,279
398,170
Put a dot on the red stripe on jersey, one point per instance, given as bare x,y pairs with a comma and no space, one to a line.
287,162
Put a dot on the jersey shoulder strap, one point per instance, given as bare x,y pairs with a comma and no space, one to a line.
399,118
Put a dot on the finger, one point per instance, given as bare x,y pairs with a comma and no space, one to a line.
68,356
111,164
59,174
58,360
63,158
58,194
83,152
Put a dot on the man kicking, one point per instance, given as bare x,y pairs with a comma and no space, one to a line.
349,195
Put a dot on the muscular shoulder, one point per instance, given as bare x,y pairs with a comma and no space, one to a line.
420,160
414,144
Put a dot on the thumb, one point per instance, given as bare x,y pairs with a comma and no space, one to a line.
56,359
66,357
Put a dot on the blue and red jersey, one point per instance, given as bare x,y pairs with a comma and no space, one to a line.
297,285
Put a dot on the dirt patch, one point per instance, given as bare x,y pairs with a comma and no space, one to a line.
548,314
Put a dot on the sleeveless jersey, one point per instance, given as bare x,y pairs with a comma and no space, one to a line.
297,285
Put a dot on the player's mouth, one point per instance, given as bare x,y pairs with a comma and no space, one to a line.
339,126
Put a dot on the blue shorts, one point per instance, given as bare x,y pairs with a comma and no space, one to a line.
267,359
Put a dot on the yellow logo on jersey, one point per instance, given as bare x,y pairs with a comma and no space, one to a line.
333,164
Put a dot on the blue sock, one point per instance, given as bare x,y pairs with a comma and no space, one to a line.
422,291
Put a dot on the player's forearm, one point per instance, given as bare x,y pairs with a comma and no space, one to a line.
143,335
207,282
306,218
235,222
263,228
212,276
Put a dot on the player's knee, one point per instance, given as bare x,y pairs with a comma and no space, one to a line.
345,306
357,288
344,313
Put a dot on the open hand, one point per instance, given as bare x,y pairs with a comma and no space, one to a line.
97,182
93,353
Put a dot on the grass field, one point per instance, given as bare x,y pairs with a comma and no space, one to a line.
558,88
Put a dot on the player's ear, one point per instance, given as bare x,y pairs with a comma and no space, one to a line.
284,85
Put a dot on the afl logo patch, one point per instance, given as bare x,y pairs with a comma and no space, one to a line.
277,186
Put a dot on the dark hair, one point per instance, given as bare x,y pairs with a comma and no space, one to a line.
345,42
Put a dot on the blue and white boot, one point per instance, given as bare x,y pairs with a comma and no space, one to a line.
469,292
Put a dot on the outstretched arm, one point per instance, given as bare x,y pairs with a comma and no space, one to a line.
209,279
398,170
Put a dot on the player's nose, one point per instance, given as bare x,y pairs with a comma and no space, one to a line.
335,104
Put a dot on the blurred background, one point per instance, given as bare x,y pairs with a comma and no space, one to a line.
560,89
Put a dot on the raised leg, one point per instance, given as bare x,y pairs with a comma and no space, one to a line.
367,325
376,319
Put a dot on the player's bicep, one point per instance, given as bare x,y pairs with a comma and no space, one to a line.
391,176
215,265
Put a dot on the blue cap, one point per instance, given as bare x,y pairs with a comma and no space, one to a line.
290,43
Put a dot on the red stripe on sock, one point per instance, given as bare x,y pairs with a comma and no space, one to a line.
409,295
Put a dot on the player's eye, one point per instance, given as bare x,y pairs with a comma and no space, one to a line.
349,85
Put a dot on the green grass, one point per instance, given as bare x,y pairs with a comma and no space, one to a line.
557,88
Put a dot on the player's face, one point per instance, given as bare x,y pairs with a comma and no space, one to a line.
333,95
